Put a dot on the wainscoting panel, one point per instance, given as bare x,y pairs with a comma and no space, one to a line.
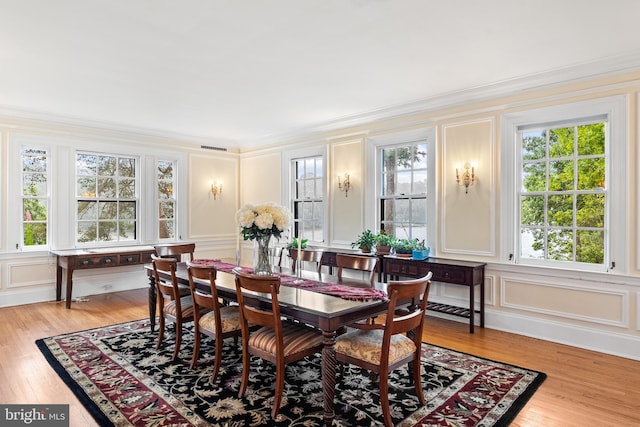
596,305
33,273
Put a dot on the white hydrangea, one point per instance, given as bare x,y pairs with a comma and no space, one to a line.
256,218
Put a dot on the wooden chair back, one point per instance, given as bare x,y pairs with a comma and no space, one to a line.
204,299
164,288
306,255
259,316
176,250
359,263
410,318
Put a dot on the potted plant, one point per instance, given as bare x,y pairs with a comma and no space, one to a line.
294,244
365,241
384,242
404,247
420,251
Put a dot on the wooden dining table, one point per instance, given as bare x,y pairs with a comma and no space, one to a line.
328,313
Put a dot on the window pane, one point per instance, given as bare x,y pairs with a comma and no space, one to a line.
86,164
590,210
106,188
560,245
534,145
418,211
167,229
87,231
127,188
127,210
404,183
591,173
87,210
420,182
590,246
532,210
591,139
534,177
561,142
420,156
107,166
35,234
531,243
403,210
388,160
561,210
86,187
561,175
127,230
107,230
107,210
127,167
166,209
34,184
34,209
34,160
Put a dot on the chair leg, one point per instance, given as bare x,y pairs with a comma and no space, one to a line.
277,398
217,360
384,399
196,346
245,369
160,331
417,381
178,340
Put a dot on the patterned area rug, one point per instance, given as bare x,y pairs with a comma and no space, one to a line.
122,380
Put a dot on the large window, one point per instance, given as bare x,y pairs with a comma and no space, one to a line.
166,199
308,198
563,200
564,185
403,187
106,198
35,197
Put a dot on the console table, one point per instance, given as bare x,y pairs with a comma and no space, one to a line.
465,273
80,259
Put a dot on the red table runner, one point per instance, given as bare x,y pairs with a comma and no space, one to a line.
335,289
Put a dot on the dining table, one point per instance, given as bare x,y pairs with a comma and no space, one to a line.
316,300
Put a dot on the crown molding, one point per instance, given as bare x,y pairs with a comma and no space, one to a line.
609,66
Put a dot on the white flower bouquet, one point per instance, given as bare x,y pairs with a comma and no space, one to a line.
268,219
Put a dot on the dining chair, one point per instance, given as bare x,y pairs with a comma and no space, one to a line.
277,341
359,263
275,253
173,306
306,255
176,250
219,322
173,250
383,347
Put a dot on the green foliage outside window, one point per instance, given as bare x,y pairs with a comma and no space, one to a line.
563,198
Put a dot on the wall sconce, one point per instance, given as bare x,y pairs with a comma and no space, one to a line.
468,176
216,189
344,185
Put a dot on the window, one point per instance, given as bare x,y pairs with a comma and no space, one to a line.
166,200
564,185
563,199
402,198
308,198
106,192
35,197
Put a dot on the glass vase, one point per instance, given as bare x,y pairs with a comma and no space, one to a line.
261,259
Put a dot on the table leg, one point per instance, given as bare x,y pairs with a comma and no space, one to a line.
69,287
152,302
328,375
59,283
472,308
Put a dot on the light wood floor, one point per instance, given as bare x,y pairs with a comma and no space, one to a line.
583,388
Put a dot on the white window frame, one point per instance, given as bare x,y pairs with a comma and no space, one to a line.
615,109
288,189
373,174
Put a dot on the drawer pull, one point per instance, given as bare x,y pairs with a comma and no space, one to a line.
85,262
107,261
130,259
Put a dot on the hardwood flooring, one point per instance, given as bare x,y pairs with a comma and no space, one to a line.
583,388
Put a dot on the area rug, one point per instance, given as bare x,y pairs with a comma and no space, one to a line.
122,380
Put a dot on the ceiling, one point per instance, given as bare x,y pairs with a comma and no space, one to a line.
239,72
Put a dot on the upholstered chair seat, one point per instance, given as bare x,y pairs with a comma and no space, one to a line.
367,346
229,320
295,338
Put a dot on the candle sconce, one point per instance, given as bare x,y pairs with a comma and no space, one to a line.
216,189
344,184
468,177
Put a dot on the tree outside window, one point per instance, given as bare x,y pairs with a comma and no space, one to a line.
563,197
403,190
35,202
308,200
106,198
166,199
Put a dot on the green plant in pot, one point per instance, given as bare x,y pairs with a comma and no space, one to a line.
405,247
384,242
365,241
421,251
294,244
